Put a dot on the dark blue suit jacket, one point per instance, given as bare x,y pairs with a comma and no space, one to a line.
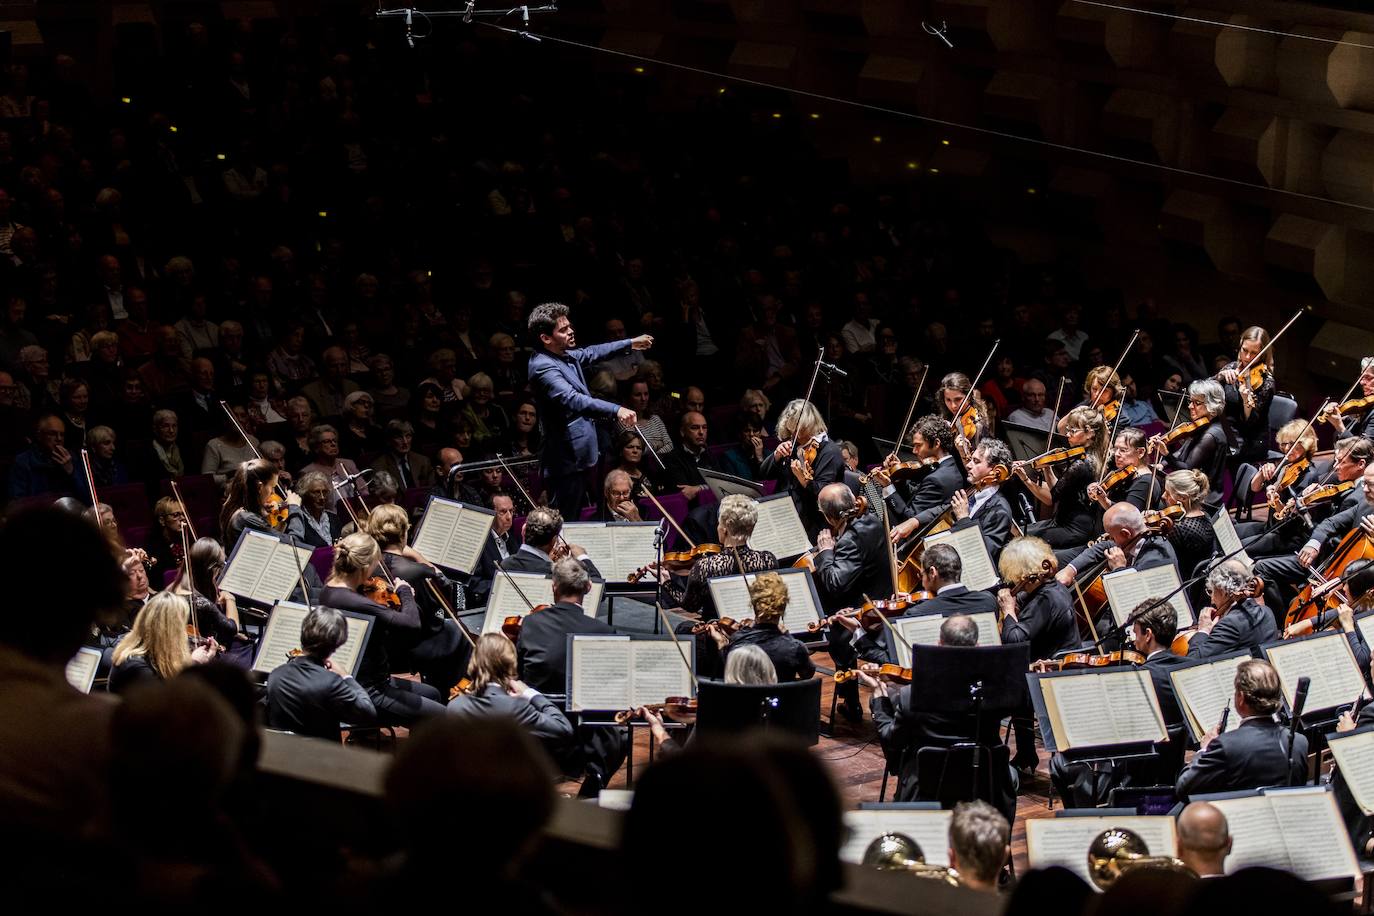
567,407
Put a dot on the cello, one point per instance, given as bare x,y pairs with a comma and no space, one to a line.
1313,599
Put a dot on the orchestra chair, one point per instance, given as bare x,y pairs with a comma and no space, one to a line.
1143,800
729,709
945,775
1242,501
1282,408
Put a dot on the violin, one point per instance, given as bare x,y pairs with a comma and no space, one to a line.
1110,410
679,709
677,561
895,673
968,423
1322,494
1054,456
512,624
1034,580
998,475
1354,405
727,625
806,459
1120,476
379,591
903,470
460,688
275,511
1181,431
1293,472
1162,521
1314,599
868,614
1089,660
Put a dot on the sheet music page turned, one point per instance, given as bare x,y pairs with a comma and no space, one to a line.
731,597
280,636
1296,830
924,630
349,656
249,559
1127,588
930,829
82,668
1328,661
1103,709
779,529
1203,691
1065,840
979,572
505,601
453,534
599,673
1228,539
1354,755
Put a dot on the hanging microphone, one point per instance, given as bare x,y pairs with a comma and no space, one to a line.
410,39
1300,698
831,367
349,478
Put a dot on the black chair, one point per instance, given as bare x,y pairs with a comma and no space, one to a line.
1282,408
730,709
945,775
1242,499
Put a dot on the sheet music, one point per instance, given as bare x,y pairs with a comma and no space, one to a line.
505,601
599,673
1203,691
979,573
1354,754
1103,709
1328,660
731,597
264,568
779,529
930,829
1297,830
453,534
1228,539
349,656
924,630
282,634
1065,840
618,549
1127,588
82,668
1365,624
657,670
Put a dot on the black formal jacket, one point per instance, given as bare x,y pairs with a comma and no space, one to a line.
1360,825
1251,757
375,668
1137,491
305,697
788,654
131,672
479,583
543,645
1340,524
432,613
1045,620
994,520
1206,450
1247,626
685,470
536,714
857,566
930,497
1164,768
1154,551
827,469
527,562
958,600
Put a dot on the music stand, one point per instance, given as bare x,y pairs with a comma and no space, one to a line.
726,710
1027,442
950,680
889,446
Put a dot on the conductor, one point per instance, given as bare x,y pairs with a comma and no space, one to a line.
567,406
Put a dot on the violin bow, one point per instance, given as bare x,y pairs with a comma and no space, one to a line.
1273,340
448,609
1115,369
1083,603
224,405
1283,463
529,500
810,390
677,643
968,395
185,513
90,482
1107,445
906,424
682,534
649,448
515,585
1054,417
1154,476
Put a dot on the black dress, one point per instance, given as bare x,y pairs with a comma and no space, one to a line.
437,649
788,654
1193,540
1252,433
1075,521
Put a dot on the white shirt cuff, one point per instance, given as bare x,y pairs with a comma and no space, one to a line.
888,491
1314,544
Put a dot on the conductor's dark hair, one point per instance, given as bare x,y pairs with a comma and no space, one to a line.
545,317
66,553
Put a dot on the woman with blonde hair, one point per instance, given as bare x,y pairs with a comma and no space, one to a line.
1094,395
801,421
1193,537
156,648
399,702
497,690
438,649
1065,486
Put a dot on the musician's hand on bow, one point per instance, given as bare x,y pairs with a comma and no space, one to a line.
1116,558
1066,575
903,531
626,416
577,551
958,505
1228,376
517,687
1006,603
1306,556
1263,475
293,498
783,451
1346,723
1206,620
825,540
642,342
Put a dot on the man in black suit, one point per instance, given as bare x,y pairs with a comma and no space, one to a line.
941,572
1234,620
543,656
501,544
986,506
198,406
309,695
1257,753
684,463
851,562
543,538
927,500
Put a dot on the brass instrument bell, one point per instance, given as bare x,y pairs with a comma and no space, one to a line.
1118,850
899,852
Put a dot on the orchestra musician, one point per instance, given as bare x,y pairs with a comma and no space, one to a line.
502,542
1108,401
252,487
851,562
979,844
768,597
941,572
1360,825
1192,537
1360,423
1138,488
738,516
398,701
1233,620
954,391
1297,443
986,505
921,503
156,648
544,545
1204,839
1254,755
1205,448
310,695
496,690
800,420
1247,404
1074,521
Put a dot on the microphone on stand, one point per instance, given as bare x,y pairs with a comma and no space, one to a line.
1295,721
831,367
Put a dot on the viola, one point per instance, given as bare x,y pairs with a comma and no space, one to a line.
727,625
868,614
895,673
1034,580
379,591
1352,406
679,709
1054,456
1182,431
1253,590
1089,660
677,561
1119,476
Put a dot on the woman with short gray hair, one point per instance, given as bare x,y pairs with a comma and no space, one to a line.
1234,620
1207,446
738,515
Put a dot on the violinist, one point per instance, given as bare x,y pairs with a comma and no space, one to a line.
1284,574
1033,610
923,502
1355,422
903,730
543,656
437,649
1126,542
401,702
941,575
501,544
801,421
496,690
989,464
973,423
544,545
1108,401
310,695
768,597
1200,443
738,516
1132,480
1248,398
248,503
851,562
164,541
1281,482
1234,620
156,648
1065,486
1192,537
216,612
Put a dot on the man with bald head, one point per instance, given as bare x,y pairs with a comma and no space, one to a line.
684,464
1032,412
1204,839
1128,545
